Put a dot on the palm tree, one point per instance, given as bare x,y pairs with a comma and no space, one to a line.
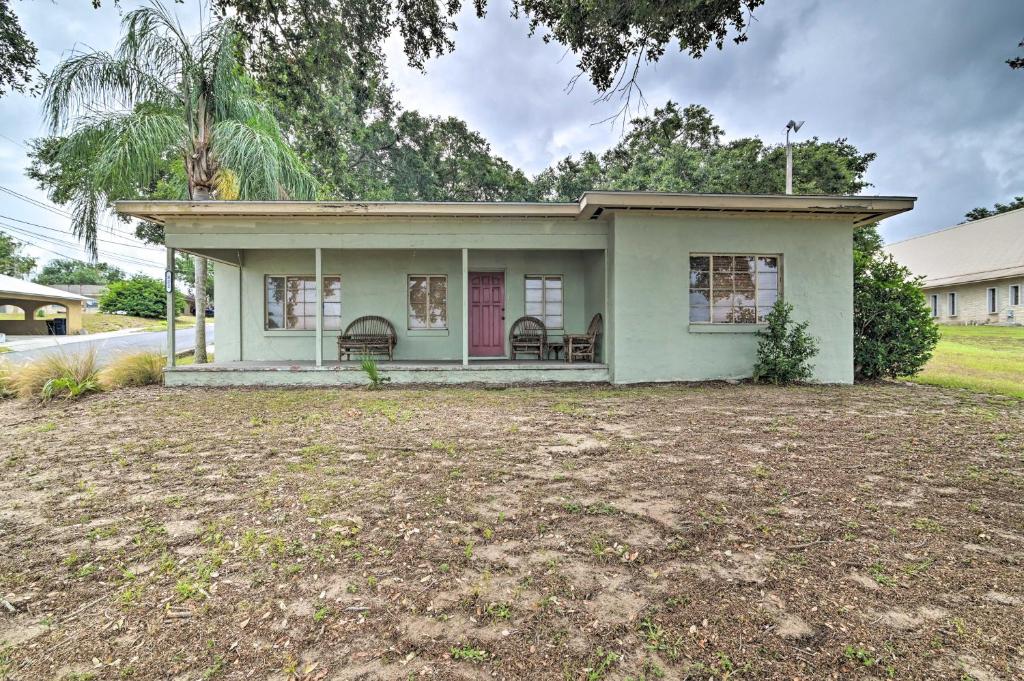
162,100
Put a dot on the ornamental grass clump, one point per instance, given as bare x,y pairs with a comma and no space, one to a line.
60,375
7,389
134,369
785,350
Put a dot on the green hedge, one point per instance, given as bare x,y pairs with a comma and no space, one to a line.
140,296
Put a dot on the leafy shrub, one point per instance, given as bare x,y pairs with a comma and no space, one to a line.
786,349
893,330
134,369
140,296
58,375
377,380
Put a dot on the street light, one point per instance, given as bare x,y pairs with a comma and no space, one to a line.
793,126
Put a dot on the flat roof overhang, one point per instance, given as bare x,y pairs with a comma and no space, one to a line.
592,205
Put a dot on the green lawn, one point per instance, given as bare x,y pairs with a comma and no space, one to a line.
982,358
191,359
99,322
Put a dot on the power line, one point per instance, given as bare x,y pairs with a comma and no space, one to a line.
63,255
123,259
9,139
58,242
58,211
61,231
36,202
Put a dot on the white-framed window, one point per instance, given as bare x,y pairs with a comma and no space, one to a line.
290,302
544,299
428,301
933,303
733,289
952,305
991,301
1014,296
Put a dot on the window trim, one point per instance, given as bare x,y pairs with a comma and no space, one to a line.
933,304
543,302
1013,295
408,306
266,303
951,298
992,300
711,314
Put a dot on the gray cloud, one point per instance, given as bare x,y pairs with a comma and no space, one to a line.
922,84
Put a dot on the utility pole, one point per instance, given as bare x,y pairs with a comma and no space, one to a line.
793,126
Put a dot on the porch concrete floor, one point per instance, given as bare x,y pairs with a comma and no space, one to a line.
393,365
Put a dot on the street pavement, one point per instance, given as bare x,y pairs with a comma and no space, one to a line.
109,347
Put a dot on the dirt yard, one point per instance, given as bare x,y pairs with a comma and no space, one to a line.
580,533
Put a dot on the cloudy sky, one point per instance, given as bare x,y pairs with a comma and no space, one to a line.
922,84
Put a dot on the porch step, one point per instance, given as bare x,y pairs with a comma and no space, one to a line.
400,372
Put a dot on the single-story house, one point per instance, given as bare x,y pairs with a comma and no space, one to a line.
973,272
682,283
93,292
20,299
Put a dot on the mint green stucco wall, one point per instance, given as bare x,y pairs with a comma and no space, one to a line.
228,307
651,337
374,282
639,283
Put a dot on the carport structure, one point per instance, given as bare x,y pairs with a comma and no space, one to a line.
29,297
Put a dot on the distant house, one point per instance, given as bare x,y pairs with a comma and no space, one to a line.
674,286
20,300
974,272
91,291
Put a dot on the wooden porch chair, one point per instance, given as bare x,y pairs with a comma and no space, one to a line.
368,336
529,336
583,346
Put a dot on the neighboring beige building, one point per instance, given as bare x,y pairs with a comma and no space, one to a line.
974,272
20,300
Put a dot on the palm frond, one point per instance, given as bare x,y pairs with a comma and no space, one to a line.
267,168
86,82
86,207
153,34
137,145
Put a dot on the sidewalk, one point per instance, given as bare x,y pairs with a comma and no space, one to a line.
20,343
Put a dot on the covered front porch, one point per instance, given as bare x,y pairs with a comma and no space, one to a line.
281,312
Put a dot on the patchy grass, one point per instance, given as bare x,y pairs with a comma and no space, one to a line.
101,322
704,532
191,359
183,322
981,358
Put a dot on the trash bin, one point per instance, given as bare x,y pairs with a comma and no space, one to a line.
57,327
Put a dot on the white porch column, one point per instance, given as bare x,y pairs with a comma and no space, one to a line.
319,355
465,307
169,287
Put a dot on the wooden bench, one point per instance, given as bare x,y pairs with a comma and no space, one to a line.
368,336
528,336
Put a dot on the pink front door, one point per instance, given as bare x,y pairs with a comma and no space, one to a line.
486,314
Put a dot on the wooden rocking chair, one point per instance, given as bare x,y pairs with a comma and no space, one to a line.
583,346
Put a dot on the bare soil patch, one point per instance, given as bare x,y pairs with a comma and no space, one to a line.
670,532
